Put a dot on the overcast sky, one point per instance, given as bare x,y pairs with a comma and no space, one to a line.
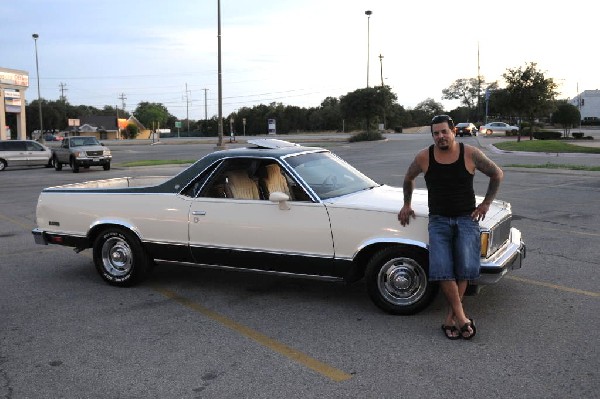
297,52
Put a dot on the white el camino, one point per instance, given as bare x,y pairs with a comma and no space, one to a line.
272,207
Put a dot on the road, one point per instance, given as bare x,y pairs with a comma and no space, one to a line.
198,333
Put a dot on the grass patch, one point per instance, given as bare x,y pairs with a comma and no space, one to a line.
556,146
154,162
556,166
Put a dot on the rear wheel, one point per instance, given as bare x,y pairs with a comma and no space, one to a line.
2,165
120,258
397,281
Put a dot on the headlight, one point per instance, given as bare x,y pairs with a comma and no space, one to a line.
485,239
76,154
106,152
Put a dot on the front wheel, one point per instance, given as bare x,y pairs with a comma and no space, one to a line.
489,132
2,165
106,166
57,164
120,258
74,165
397,281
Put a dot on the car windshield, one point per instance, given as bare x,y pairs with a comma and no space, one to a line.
81,141
329,176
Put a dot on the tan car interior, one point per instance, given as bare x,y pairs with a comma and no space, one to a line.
254,182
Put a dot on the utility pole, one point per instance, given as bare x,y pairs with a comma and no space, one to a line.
478,85
187,108
122,97
205,111
62,92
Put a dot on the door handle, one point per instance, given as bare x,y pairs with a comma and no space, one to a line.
198,213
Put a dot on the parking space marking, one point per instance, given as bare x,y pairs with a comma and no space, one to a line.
291,353
554,286
25,226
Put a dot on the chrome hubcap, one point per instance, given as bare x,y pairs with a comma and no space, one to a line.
117,258
402,281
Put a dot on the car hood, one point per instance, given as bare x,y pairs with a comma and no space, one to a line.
390,199
381,198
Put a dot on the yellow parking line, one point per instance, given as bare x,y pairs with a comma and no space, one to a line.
25,226
554,286
297,356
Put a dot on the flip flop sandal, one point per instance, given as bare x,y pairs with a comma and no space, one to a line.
465,329
449,330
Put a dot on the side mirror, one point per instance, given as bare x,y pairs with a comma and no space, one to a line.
281,198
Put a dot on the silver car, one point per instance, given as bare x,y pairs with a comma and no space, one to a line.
24,153
495,127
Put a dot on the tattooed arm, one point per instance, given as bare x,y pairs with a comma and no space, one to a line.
490,169
408,187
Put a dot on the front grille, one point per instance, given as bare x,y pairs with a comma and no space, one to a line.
94,153
499,234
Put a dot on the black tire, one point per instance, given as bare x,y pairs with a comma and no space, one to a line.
57,165
397,281
50,163
106,166
2,165
120,258
74,166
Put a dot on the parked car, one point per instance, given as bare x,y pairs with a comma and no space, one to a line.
80,151
466,128
24,153
52,137
272,207
492,127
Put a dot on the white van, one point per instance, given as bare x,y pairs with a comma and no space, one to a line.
24,153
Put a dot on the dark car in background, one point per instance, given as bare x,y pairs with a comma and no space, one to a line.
466,129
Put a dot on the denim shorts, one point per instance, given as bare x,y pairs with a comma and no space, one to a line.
454,248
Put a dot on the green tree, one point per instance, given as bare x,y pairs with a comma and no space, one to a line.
367,104
149,113
469,91
567,115
530,94
131,131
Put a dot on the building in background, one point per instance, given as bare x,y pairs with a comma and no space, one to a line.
588,103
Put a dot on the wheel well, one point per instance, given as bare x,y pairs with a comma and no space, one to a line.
98,229
362,258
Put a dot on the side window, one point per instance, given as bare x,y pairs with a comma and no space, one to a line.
3,146
33,146
235,179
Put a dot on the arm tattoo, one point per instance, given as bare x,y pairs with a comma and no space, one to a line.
490,169
409,181
485,165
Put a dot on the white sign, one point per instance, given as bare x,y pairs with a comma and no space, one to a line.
12,94
74,122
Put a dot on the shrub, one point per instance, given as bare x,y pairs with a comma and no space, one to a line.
578,135
547,135
366,136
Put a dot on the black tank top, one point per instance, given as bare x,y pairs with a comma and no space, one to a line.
450,187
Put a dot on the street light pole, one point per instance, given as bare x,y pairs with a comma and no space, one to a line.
220,87
37,69
368,14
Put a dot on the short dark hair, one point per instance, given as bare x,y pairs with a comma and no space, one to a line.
441,119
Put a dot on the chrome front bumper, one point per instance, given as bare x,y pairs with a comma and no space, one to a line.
509,257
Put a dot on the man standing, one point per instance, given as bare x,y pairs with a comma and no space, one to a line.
454,241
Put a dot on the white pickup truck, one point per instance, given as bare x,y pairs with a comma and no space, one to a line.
80,151
272,207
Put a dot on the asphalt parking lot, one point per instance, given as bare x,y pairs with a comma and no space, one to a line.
197,333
